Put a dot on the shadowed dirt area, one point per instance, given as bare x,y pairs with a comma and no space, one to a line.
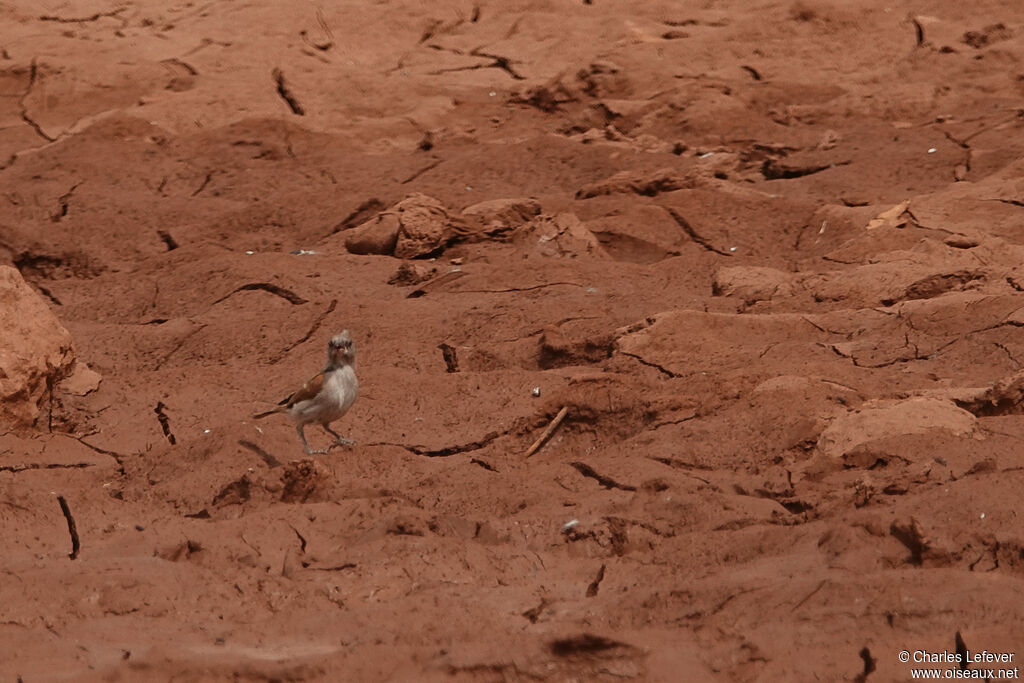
767,256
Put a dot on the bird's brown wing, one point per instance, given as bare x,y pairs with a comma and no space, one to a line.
309,390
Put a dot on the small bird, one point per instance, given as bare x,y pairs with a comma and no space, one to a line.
327,396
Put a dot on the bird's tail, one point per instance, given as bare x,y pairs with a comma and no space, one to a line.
260,416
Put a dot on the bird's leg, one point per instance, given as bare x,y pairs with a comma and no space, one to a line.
300,428
341,440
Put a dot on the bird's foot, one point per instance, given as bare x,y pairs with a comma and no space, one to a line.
316,451
342,441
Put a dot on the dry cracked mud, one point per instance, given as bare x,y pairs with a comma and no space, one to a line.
766,256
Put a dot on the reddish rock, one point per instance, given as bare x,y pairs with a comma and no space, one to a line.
560,236
497,217
36,351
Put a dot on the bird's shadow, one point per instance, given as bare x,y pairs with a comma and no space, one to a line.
268,458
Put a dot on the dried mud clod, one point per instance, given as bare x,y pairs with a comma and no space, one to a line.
412,274
644,184
1005,397
305,481
234,493
179,551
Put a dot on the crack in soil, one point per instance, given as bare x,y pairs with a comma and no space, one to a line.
202,186
360,215
650,364
498,671
286,94
517,289
332,568
596,583
326,45
62,204
438,27
302,539
118,457
447,450
483,463
497,62
178,346
33,76
876,366
45,466
918,32
692,416
167,239
1005,350
693,234
317,323
423,170
810,595
184,65
165,422
607,482
1014,202
286,294
435,283
49,295
82,20
585,644
678,464
773,170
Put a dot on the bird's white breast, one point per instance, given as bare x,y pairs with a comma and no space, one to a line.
342,387
337,395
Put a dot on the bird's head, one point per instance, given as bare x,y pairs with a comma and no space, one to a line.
341,349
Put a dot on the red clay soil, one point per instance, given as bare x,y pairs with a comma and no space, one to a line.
772,267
